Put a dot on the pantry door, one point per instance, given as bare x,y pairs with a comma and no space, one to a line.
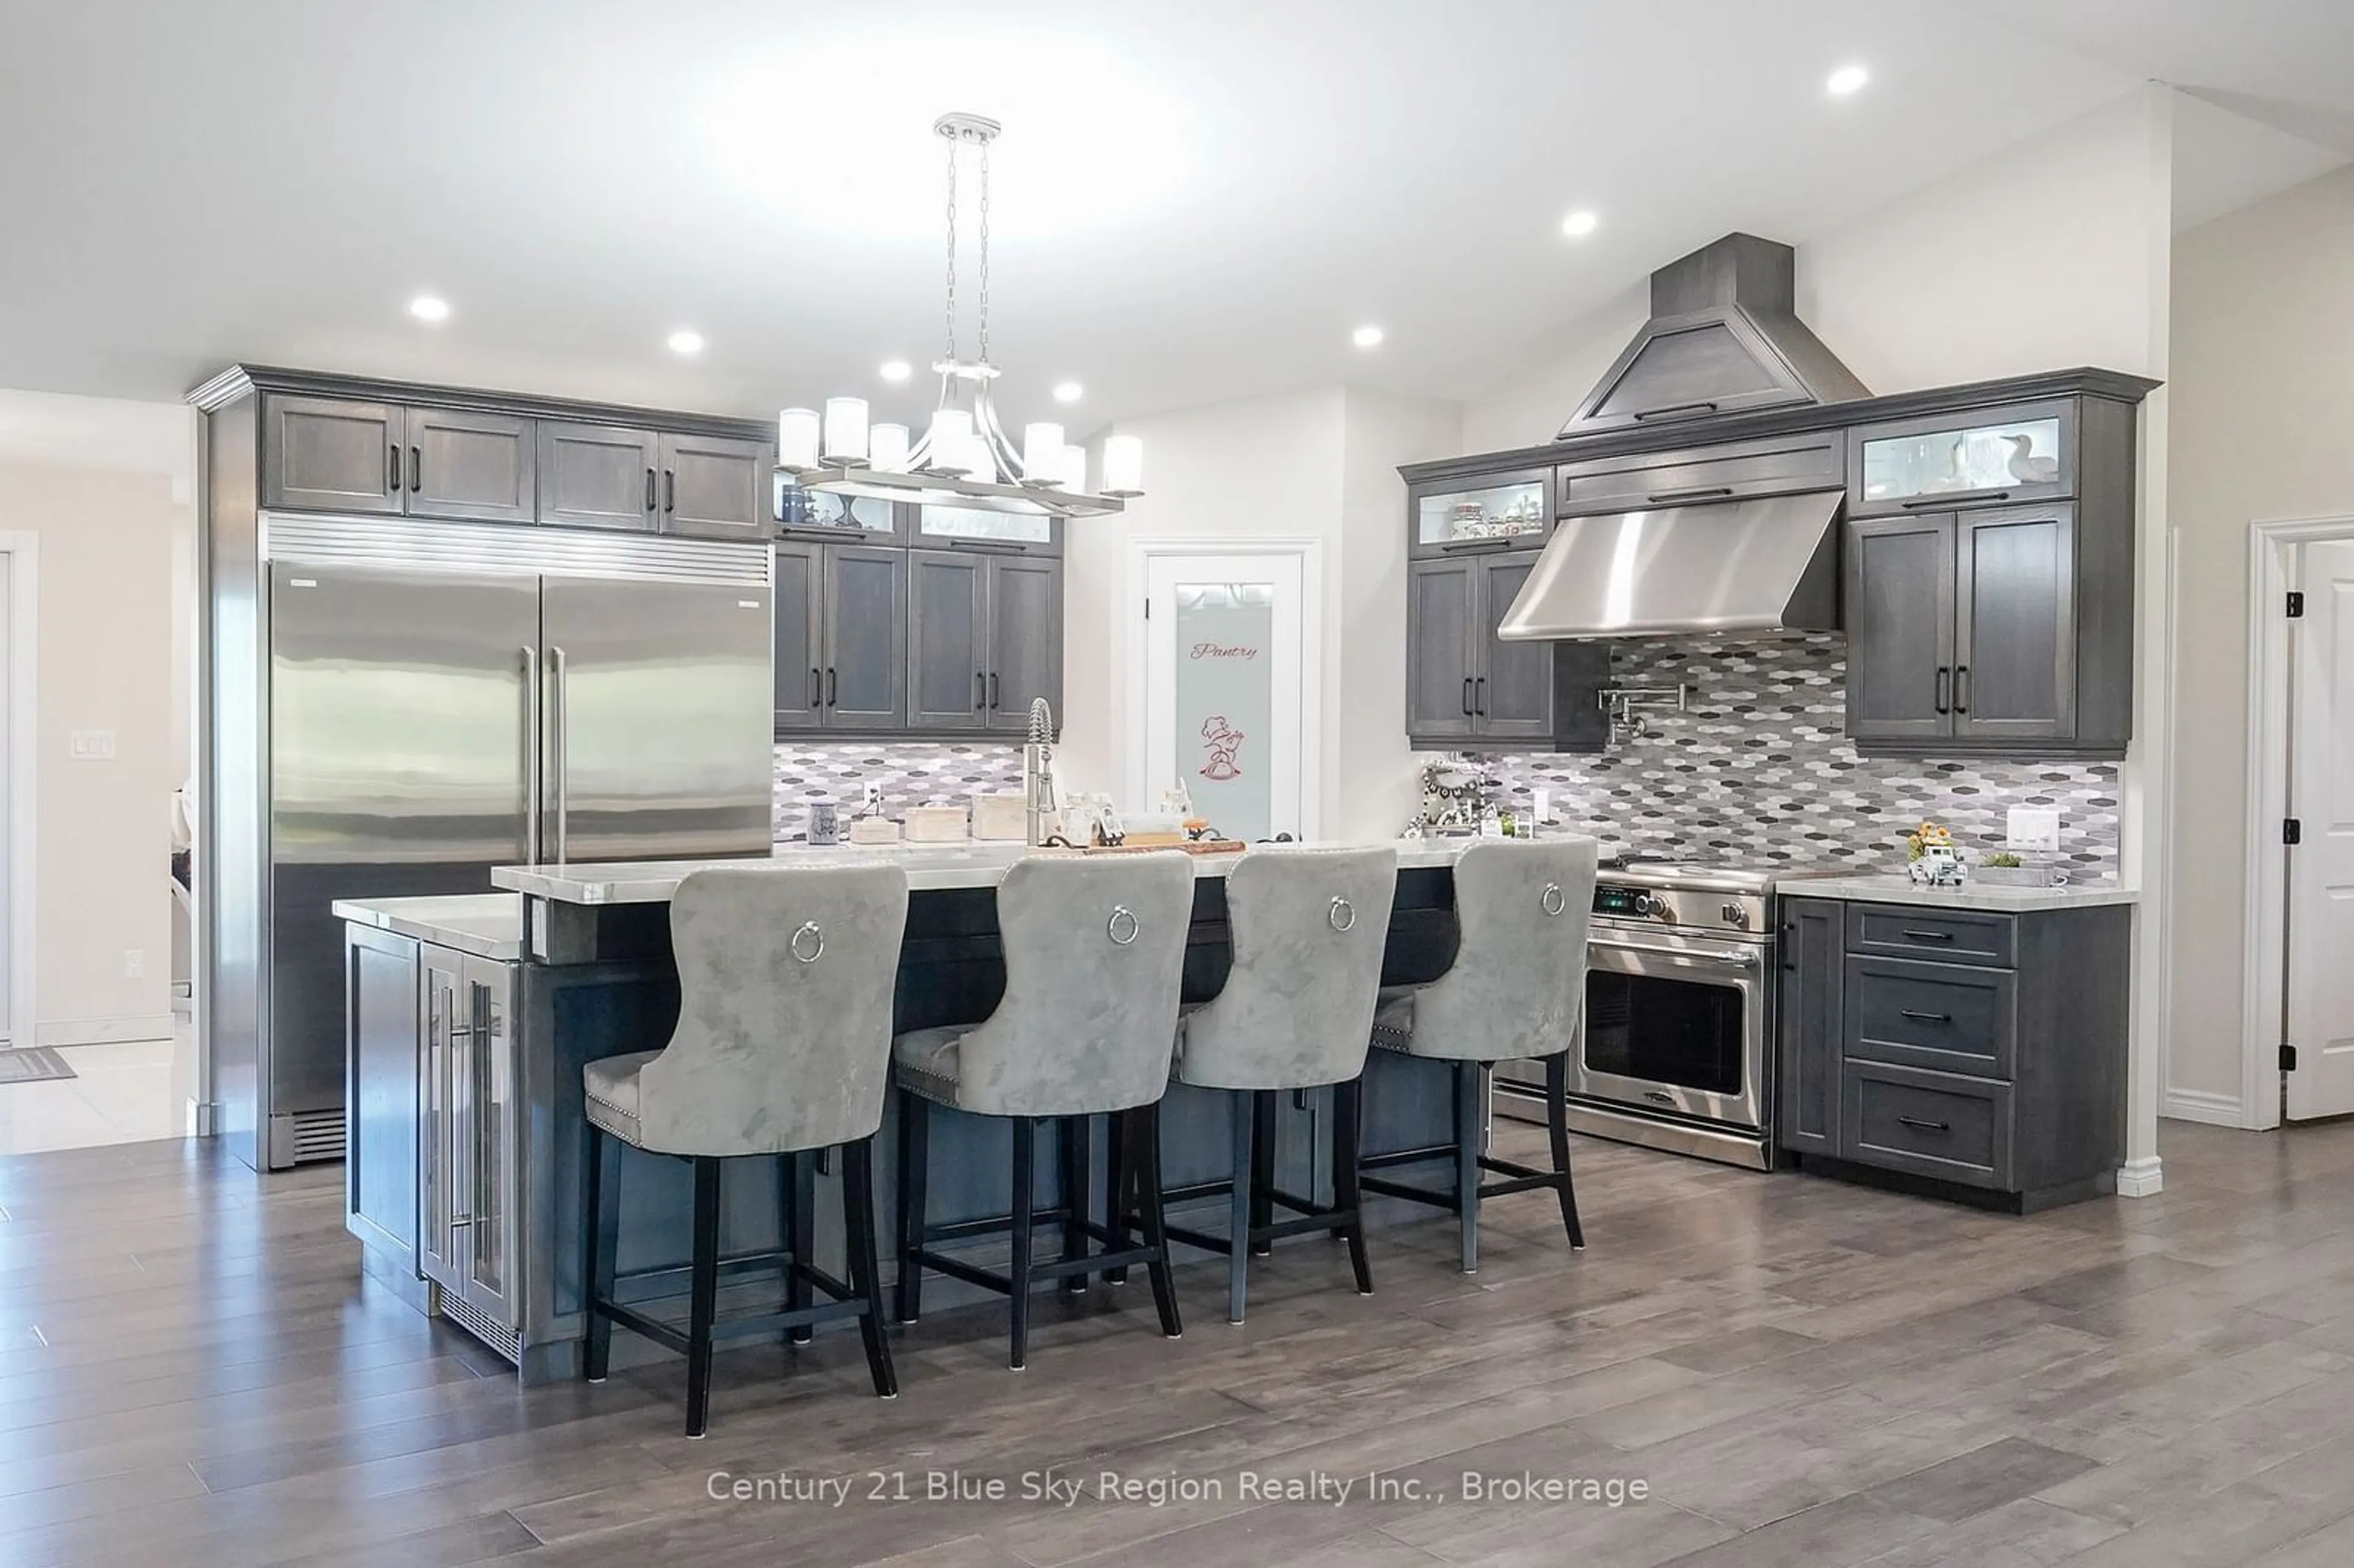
1228,699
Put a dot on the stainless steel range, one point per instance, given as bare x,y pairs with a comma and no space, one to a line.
1677,1050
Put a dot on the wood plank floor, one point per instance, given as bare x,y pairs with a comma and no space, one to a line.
193,1372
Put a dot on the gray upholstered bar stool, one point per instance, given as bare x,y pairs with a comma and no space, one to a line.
1516,989
1095,951
782,1049
1308,927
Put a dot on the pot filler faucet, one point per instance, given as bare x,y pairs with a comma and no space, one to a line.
1040,808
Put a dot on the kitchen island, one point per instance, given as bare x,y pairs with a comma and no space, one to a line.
469,1021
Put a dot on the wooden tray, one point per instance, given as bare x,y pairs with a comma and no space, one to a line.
1206,846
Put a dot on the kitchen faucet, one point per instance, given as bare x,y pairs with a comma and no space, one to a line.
1040,807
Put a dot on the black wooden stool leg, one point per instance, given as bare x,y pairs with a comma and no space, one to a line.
1145,1155
915,1179
600,1223
866,1277
1262,1211
1242,1211
1025,1158
1557,1126
1466,1162
1071,1146
1348,1117
798,1201
703,1296
1115,1190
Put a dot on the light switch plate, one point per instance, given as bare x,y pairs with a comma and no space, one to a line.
2032,828
92,744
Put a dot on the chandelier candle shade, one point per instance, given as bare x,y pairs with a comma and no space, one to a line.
965,458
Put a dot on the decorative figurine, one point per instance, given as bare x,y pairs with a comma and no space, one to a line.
1935,860
2026,466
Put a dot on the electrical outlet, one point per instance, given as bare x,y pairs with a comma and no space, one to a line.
134,963
90,744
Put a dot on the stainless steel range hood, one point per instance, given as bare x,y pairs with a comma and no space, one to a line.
1768,565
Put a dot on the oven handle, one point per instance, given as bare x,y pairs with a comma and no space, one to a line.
1739,957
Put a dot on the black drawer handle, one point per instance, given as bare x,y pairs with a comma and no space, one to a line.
1916,1123
1948,500
1479,697
1667,495
994,691
416,469
650,490
1466,697
1961,688
1675,411
980,691
1925,1017
392,469
817,690
1928,936
832,688
670,490
1940,701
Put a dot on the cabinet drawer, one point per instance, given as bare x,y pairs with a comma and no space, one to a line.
1932,1124
1914,932
1945,1017
1699,475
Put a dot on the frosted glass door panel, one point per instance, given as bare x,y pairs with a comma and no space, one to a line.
2004,457
1225,702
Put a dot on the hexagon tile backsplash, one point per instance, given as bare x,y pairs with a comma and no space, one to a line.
911,773
1758,771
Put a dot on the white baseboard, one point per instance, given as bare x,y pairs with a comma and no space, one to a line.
2140,1179
102,1030
2196,1105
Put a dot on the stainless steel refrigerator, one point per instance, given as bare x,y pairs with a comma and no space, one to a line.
436,699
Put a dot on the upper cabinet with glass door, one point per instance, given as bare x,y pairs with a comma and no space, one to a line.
973,527
806,512
2025,452
1490,514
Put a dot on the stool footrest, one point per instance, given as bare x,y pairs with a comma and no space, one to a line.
1042,1268
1310,1221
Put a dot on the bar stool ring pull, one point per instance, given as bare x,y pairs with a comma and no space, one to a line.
814,934
1112,926
1554,899
1342,916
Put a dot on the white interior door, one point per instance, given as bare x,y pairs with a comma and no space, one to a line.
7,811
2321,989
1224,712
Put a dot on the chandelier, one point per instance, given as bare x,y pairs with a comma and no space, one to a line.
965,458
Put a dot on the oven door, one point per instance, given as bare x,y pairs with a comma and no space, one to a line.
1674,1025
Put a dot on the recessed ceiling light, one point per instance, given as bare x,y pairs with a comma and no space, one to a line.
1847,79
1366,338
686,342
896,370
1579,224
430,308
1068,391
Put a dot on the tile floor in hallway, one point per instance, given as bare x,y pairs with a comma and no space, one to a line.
192,1370
125,1092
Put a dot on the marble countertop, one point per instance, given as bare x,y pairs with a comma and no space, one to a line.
487,925
928,867
1892,889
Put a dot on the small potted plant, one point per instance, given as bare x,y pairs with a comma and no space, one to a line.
2004,869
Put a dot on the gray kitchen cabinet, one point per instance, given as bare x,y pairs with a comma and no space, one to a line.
1900,629
469,1193
948,647
798,658
472,466
976,528
332,454
1987,456
600,476
1958,1051
1732,470
718,487
1025,638
383,1069
1469,688
2014,624
1809,1024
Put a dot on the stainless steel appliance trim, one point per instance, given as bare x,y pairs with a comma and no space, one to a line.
422,545
535,783
1746,1111
1746,957
1727,1146
561,719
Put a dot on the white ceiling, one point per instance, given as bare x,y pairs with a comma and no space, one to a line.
1193,202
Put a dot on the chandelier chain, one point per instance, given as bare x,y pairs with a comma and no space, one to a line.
952,351
984,252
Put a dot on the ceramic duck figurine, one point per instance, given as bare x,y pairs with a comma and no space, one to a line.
2026,466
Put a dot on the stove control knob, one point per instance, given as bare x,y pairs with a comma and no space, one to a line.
1735,914
1651,905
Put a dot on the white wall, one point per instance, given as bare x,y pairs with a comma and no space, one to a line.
2263,393
1317,465
108,487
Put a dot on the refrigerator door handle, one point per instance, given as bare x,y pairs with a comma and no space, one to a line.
562,760
535,784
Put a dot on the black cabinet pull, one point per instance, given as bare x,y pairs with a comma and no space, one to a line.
1961,688
392,469
1675,411
817,691
650,490
1925,1017
670,490
1479,697
1466,697
1928,936
1944,675
832,688
1915,1121
1949,501
416,470
980,691
1704,494
994,691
